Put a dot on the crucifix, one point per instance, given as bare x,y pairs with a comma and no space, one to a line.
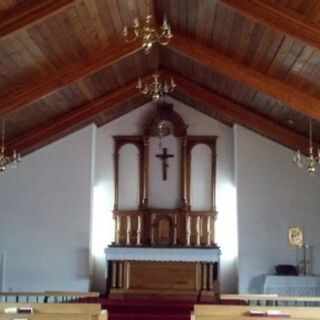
164,157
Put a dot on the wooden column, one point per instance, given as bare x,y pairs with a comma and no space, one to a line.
145,172
116,179
118,226
184,168
208,230
139,231
128,230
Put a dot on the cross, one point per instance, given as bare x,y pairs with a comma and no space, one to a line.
163,157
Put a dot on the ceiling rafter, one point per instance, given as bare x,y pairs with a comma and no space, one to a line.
235,113
74,119
86,114
279,18
29,13
213,60
65,76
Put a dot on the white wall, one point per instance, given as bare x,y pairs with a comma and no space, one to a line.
272,196
199,124
45,208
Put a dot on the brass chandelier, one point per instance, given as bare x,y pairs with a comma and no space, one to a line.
148,32
311,160
156,89
7,160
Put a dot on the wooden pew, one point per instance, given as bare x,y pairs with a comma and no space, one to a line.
271,299
208,312
102,315
90,308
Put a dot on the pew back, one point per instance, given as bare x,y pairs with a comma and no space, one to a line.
53,316
212,311
89,308
271,299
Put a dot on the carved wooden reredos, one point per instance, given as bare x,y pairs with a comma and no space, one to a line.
177,223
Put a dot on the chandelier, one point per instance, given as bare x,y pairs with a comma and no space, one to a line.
6,160
156,89
148,32
310,161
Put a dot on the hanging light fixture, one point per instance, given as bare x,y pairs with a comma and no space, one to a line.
156,89
148,32
6,160
310,161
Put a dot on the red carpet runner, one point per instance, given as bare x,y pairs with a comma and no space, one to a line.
134,309
147,309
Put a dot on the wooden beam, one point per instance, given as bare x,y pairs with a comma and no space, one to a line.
235,113
215,61
279,18
28,13
73,120
65,76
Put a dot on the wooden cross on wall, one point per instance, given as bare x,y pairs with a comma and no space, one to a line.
164,157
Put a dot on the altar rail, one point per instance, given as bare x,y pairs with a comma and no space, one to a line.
49,296
271,299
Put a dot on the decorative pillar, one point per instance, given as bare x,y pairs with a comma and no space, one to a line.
188,230
184,172
152,228
120,274
139,231
128,230
118,222
198,231
208,231
116,179
204,276
175,230
210,276
114,274
145,172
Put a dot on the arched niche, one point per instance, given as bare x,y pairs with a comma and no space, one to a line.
164,193
129,177
200,177
201,160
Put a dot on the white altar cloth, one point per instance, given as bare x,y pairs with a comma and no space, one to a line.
292,285
163,254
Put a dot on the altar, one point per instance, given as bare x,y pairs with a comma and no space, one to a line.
186,273
164,215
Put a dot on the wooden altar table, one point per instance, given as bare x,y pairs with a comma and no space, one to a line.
186,273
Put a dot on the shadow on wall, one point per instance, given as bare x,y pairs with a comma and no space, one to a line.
83,270
256,284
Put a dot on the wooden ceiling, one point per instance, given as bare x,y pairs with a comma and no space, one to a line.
64,64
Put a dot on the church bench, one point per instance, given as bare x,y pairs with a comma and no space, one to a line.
90,308
208,312
271,299
102,315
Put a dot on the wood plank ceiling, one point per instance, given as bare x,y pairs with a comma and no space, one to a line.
64,64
